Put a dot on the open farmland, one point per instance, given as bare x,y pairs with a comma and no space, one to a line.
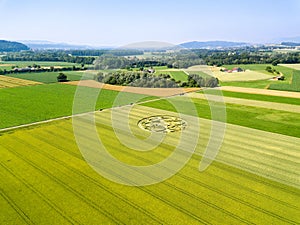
43,166
9,82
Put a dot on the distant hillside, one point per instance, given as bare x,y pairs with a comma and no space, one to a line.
47,45
212,44
286,39
10,46
290,44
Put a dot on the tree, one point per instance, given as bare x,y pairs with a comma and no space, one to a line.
62,77
275,62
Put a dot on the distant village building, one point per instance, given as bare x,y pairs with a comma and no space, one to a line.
150,70
234,70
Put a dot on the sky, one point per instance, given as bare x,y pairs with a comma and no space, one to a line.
117,23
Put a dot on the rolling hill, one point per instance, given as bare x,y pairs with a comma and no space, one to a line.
10,46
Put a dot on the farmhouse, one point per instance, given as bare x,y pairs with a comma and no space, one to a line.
237,69
281,77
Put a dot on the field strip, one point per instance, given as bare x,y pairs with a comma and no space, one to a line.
288,94
17,81
249,102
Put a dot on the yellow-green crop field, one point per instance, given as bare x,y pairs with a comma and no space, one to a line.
255,178
8,82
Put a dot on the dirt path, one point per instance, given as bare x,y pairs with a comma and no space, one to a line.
159,92
287,94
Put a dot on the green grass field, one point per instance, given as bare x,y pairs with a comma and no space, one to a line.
294,85
177,75
43,167
51,77
29,104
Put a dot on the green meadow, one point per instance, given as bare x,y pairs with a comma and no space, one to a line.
23,105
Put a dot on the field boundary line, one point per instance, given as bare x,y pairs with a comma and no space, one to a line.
288,94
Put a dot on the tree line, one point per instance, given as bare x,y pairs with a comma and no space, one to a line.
176,60
39,69
144,79
246,56
47,56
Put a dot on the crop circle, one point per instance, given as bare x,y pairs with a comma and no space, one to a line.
162,124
